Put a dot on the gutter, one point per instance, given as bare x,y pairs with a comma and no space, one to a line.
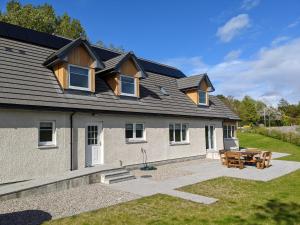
71,140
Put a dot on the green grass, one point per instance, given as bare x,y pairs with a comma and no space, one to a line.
267,143
240,201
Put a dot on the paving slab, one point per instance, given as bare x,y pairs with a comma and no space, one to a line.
206,170
191,197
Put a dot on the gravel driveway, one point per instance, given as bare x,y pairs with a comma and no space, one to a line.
36,209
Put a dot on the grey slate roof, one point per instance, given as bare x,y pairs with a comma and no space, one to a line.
61,53
193,82
25,81
55,42
115,63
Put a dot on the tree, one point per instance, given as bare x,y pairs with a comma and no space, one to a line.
68,27
231,102
248,111
111,46
283,103
41,18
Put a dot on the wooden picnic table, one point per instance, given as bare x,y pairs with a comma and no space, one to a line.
249,155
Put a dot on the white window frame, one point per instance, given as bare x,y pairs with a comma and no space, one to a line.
47,143
181,141
206,97
89,78
232,131
134,138
126,94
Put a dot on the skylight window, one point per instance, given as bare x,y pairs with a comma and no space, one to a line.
163,90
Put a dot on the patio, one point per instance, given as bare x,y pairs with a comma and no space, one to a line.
167,179
163,180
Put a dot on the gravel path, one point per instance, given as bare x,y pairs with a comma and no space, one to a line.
36,209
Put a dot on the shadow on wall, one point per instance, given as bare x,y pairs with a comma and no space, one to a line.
27,217
272,212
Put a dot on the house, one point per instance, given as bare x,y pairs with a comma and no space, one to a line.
67,104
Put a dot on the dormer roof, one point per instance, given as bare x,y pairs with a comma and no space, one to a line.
114,64
194,82
61,54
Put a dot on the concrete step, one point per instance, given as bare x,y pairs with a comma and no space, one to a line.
114,173
119,178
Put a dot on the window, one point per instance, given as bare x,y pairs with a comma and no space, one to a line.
178,133
134,131
47,133
78,78
202,98
229,131
225,131
128,86
92,135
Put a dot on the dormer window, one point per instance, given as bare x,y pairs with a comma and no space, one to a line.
79,78
196,88
128,86
203,98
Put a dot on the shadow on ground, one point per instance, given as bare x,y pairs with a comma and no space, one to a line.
273,211
280,212
27,217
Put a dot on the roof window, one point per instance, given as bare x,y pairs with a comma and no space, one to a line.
163,90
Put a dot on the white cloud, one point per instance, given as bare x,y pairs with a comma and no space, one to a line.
294,24
280,40
233,55
233,27
272,74
249,4
191,65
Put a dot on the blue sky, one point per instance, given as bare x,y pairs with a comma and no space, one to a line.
246,46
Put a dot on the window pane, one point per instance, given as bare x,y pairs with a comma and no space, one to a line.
233,130
77,80
212,142
45,135
46,132
225,131
171,132
129,130
46,125
127,84
92,135
206,137
177,132
202,97
139,130
79,71
184,131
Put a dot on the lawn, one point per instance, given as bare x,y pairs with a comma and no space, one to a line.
267,143
240,201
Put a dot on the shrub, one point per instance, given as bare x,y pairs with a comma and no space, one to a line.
291,137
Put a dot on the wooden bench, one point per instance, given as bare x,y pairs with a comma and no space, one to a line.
234,159
264,160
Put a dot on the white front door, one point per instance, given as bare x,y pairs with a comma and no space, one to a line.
210,137
94,148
